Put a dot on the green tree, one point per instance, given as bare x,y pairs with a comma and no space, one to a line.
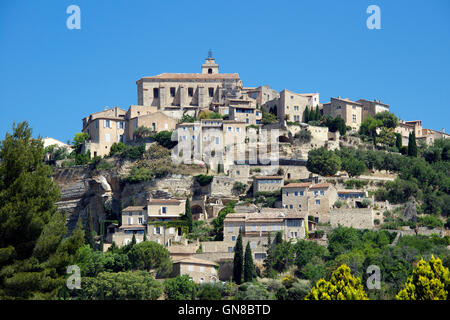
429,281
180,288
139,285
398,141
369,127
150,255
306,115
238,259
353,166
412,146
323,162
89,231
249,267
342,286
188,214
209,291
388,120
78,141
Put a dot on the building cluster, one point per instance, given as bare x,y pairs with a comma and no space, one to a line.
165,99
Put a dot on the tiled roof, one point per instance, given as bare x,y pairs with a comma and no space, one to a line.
297,185
268,177
351,191
165,201
135,208
320,185
132,226
195,261
199,76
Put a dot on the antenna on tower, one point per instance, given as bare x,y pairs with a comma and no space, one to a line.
210,54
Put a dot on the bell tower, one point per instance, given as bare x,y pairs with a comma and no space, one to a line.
210,66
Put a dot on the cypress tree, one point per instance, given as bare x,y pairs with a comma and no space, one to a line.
249,267
398,141
307,114
412,146
133,240
145,235
89,233
317,115
101,244
188,214
238,260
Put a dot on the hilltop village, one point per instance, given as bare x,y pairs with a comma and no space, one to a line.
202,160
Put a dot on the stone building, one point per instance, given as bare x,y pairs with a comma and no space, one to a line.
316,200
429,136
189,90
104,128
256,226
371,108
291,106
267,183
199,270
348,110
404,128
245,112
358,218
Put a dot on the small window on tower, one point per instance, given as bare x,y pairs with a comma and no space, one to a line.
172,92
155,93
211,92
191,92
210,71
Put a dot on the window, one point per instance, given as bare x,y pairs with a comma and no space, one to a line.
354,118
163,210
322,192
230,249
238,173
253,245
107,124
230,229
190,92
209,71
107,137
296,193
120,124
202,269
171,230
287,193
230,129
318,202
96,124
301,193
211,92
291,206
172,92
246,121
217,140
237,129
233,238
158,230
140,220
190,267
155,93
253,228
316,193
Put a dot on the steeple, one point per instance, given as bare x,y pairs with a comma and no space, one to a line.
210,66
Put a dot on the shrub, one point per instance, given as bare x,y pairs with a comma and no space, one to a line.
180,288
140,174
203,180
430,222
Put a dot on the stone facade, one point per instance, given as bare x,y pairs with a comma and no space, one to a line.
371,108
267,183
359,218
200,271
348,110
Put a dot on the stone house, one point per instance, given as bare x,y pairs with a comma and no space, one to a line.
291,106
199,270
245,112
429,136
256,226
371,108
104,128
404,128
348,110
134,222
267,183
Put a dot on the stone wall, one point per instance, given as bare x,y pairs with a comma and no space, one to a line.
356,218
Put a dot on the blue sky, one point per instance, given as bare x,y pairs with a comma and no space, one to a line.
52,76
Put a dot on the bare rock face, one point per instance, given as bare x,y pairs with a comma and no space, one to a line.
410,212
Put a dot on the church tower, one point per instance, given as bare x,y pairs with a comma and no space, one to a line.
210,66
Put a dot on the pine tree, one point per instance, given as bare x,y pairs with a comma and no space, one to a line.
238,260
249,267
342,286
89,232
412,146
429,281
188,214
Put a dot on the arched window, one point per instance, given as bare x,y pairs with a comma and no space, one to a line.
210,71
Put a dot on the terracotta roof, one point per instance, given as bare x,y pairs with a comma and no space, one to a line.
348,100
297,185
320,185
131,208
351,191
193,260
200,76
132,226
168,201
233,121
268,178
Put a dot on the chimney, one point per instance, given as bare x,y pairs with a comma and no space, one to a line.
443,130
